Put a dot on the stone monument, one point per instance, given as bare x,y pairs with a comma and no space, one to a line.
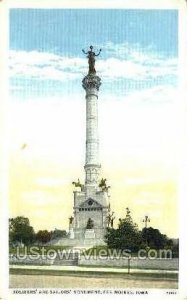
91,199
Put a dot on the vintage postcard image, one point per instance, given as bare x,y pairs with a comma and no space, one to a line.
94,146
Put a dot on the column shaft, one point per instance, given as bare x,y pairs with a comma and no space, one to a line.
91,85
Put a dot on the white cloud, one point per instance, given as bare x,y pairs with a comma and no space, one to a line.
135,62
123,62
42,65
114,68
156,94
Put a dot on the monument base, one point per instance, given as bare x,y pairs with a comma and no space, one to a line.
71,234
89,234
84,242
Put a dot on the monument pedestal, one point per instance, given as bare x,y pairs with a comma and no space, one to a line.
71,234
91,202
89,234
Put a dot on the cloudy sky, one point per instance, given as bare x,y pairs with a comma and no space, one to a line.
137,111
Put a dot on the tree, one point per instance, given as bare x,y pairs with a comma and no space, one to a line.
20,230
154,239
57,233
43,236
126,236
175,248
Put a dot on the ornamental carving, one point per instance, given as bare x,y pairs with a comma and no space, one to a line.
91,81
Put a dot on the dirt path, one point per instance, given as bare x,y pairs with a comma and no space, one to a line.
46,281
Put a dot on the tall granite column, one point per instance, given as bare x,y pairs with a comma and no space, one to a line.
91,84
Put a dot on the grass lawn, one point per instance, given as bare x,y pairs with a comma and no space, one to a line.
103,250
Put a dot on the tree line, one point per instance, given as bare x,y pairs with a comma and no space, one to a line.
127,236
21,232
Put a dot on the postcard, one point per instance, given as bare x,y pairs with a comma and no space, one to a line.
93,149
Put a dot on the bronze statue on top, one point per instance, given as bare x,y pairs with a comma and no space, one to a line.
91,60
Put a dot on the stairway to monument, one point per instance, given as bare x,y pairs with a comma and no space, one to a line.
93,242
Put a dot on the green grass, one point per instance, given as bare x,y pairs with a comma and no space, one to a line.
97,250
39,249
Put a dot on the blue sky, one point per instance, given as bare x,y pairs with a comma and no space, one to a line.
67,31
147,39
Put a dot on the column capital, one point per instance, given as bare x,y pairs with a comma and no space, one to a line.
91,81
